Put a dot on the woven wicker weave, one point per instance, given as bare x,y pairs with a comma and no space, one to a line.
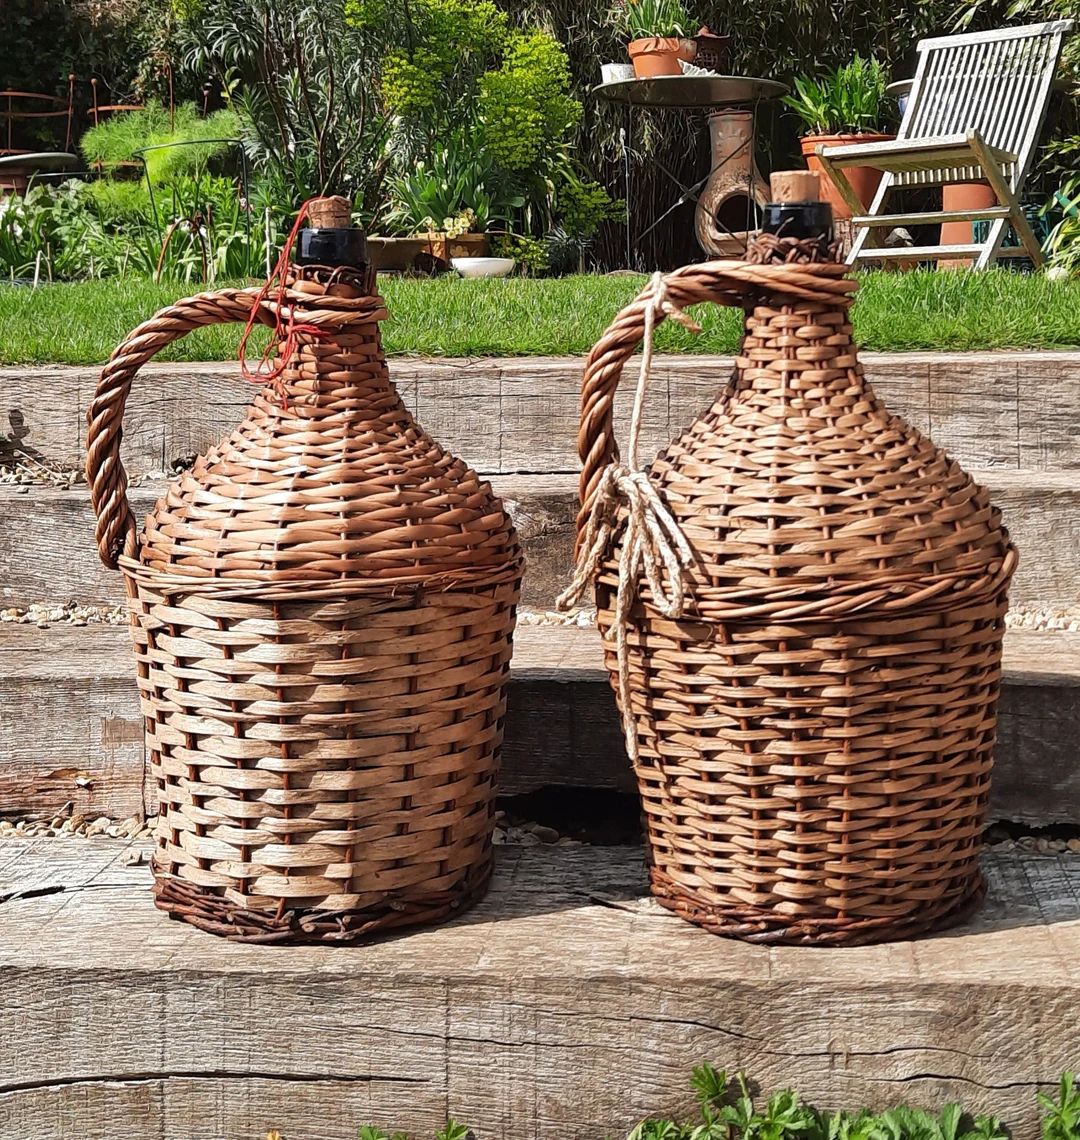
814,734
323,609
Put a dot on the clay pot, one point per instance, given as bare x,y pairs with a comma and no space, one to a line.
864,179
655,56
962,196
712,50
445,249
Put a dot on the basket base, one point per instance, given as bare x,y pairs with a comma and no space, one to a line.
216,915
753,924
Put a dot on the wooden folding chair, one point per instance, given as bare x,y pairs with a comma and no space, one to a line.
975,111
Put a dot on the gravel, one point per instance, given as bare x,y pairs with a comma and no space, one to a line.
509,831
43,615
27,471
65,823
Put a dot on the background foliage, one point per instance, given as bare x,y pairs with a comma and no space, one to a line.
399,102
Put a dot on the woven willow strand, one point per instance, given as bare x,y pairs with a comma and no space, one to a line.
814,732
322,611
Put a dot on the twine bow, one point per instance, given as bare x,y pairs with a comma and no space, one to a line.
653,543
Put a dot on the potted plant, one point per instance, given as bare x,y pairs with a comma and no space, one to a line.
448,203
459,235
658,32
846,107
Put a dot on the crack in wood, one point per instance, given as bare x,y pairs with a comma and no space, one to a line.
33,893
46,1084
1003,1086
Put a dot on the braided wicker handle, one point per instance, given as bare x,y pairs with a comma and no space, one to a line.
105,474
735,283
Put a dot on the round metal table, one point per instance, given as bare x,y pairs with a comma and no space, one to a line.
729,193
18,168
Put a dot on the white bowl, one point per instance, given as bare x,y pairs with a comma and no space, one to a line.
483,266
616,72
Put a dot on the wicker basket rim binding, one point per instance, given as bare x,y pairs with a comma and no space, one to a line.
801,601
322,608
903,577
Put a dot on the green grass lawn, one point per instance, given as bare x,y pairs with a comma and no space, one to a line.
81,323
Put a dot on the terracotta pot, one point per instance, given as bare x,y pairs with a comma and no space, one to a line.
962,196
655,55
445,248
864,180
712,50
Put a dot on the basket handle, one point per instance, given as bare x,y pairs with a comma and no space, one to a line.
105,474
734,283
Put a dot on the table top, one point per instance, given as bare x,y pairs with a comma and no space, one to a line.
691,91
40,160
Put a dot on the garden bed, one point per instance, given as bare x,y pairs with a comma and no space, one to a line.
81,323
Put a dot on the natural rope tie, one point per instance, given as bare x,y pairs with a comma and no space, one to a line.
652,543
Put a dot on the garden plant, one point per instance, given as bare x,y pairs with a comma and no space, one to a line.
728,1110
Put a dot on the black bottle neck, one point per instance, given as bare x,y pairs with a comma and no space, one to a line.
333,247
799,220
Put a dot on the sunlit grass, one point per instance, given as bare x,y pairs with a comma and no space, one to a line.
81,323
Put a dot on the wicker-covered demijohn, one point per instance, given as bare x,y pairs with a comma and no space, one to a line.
323,609
812,728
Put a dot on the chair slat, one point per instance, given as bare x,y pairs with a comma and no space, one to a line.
992,83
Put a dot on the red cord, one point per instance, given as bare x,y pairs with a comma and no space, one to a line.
286,333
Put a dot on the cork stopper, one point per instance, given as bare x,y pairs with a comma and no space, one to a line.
796,225
795,186
329,237
333,213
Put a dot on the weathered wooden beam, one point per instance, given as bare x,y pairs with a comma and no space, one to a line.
988,409
566,1004
70,728
47,551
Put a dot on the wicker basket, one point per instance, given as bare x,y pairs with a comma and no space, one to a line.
323,609
813,735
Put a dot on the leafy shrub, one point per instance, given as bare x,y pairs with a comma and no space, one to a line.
727,1111
1063,244
200,232
531,254
524,107
453,180
121,138
583,206
468,89
302,81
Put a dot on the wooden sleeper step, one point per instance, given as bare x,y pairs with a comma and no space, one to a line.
1015,410
71,732
47,552
565,1005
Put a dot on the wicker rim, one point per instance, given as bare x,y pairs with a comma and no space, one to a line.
209,912
172,585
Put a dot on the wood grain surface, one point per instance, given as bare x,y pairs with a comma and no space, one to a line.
566,1006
